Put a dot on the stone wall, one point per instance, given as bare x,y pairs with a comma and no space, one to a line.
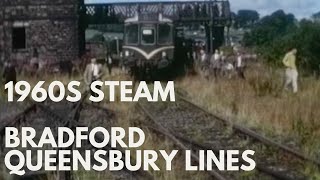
1,33
51,27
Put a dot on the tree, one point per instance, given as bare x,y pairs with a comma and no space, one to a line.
274,35
308,41
246,18
316,16
269,28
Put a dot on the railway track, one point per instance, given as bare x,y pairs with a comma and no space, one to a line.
192,127
64,114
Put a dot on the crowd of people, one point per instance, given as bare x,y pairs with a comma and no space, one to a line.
219,65
209,66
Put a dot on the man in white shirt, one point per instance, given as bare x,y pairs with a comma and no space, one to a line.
239,66
215,63
215,57
93,73
222,57
239,60
204,64
203,56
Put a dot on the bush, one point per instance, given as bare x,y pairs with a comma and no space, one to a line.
274,35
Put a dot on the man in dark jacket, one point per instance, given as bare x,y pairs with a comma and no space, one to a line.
109,63
9,73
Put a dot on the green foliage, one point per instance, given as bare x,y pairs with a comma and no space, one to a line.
316,15
308,40
269,28
274,35
246,18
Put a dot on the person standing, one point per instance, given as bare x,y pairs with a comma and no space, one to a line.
222,57
93,73
291,72
109,63
34,62
240,66
9,73
203,56
203,60
215,63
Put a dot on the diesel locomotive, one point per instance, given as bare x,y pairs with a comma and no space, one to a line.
150,46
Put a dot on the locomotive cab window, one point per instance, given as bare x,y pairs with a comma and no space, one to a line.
19,38
148,35
164,34
132,32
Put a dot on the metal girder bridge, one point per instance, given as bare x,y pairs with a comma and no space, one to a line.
214,14
217,11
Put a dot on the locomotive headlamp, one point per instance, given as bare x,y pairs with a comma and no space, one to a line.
164,54
126,53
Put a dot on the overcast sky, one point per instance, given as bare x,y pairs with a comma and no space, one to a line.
300,8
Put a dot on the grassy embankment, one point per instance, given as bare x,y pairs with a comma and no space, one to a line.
258,102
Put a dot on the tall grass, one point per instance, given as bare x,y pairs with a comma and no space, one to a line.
257,102
261,103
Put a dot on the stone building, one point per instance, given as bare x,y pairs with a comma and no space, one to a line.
44,28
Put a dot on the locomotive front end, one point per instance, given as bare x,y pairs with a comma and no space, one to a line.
148,42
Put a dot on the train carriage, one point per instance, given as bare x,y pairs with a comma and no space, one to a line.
148,45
